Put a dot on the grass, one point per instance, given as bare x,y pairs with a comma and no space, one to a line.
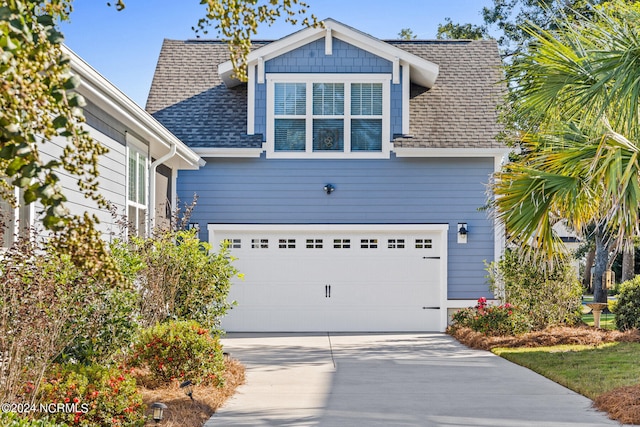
607,321
601,364
588,370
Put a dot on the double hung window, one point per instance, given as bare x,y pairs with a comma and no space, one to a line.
328,115
137,192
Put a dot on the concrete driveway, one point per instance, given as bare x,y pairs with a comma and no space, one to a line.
425,379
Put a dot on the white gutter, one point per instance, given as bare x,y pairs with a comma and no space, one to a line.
152,185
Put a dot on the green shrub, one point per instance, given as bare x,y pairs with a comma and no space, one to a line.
628,307
99,396
13,419
179,350
502,319
547,295
49,309
182,279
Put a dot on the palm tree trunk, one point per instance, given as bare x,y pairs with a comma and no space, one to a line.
628,262
600,266
588,264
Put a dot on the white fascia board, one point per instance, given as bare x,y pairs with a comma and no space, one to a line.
228,152
103,93
451,152
423,72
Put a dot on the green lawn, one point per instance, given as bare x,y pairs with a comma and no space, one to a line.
587,370
607,321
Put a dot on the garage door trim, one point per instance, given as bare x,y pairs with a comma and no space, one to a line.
216,230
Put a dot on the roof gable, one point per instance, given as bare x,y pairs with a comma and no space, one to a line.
423,72
459,112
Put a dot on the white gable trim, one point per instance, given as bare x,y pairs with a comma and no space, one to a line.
423,72
251,100
406,95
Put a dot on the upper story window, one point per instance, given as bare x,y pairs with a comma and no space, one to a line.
328,116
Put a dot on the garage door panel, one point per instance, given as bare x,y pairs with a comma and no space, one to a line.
322,280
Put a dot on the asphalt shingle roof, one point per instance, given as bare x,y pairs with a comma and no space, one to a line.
460,111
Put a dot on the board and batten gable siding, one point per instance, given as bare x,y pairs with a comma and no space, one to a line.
394,191
345,59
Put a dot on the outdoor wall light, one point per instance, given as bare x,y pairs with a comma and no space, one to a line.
188,388
329,188
158,411
463,231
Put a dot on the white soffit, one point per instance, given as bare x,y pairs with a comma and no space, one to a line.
423,72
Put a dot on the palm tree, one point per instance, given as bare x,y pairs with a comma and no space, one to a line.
575,107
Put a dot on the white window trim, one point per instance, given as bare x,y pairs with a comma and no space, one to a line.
347,79
134,146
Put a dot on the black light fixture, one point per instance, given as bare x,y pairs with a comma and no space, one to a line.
329,188
188,388
463,231
158,411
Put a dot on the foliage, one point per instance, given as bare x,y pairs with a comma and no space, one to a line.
102,396
108,319
237,20
50,309
509,16
627,308
504,319
179,350
546,296
182,278
574,113
449,30
406,34
13,419
38,103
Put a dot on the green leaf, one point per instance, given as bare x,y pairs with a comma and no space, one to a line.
30,196
60,122
77,100
14,166
46,20
55,37
72,82
7,151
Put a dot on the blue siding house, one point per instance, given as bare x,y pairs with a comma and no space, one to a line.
347,174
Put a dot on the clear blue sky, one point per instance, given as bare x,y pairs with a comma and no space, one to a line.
124,46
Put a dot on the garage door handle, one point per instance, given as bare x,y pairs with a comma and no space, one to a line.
327,291
431,308
430,257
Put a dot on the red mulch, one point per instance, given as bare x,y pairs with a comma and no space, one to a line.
621,404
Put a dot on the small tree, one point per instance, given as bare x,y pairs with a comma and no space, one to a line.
547,296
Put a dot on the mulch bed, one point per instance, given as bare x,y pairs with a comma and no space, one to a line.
621,404
584,335
184,412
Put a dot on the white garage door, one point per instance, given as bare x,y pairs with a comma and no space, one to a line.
319,278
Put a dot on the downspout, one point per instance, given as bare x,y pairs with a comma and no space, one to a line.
152,185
